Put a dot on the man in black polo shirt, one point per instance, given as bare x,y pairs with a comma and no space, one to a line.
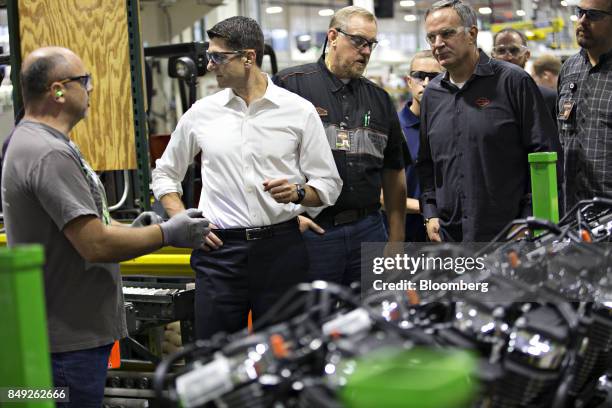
479,121
367,143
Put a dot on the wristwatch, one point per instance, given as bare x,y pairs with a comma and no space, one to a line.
301,193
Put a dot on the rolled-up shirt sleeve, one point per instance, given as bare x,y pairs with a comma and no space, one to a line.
317,163
170,169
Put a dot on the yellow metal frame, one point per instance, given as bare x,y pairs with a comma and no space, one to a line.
167,261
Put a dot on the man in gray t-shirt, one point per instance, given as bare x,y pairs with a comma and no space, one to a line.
51,196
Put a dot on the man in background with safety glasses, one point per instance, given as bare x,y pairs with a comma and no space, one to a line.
365,137
479,122
423,68
585,106
510,45
265,160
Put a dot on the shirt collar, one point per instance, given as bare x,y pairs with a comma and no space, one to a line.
272,93
602,59
409,119
483,68
335,84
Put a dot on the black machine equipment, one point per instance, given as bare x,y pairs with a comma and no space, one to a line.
539,337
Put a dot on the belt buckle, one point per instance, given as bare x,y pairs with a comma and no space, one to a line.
256,233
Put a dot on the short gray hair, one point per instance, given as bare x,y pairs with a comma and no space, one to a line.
341,17
466,13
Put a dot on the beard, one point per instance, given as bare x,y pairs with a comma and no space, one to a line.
355,70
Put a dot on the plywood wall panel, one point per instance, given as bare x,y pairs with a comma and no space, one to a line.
97,31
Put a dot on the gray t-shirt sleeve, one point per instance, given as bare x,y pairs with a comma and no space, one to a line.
60,185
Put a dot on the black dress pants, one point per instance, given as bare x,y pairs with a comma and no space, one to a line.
246,274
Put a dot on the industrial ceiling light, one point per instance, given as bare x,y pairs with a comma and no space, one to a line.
485,10
520,13
326,12
410,17
564,3
407,3
274,10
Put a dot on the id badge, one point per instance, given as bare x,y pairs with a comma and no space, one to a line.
342,140
566,110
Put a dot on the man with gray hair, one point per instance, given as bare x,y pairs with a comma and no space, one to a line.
365,137
479,121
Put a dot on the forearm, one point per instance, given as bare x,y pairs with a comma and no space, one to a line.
311,199
412,206
119,243
97,242
172,203
394,192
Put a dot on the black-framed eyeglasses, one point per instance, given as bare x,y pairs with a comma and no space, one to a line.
222,57
514,50
358,41
592,14
86,80
421,76
445,33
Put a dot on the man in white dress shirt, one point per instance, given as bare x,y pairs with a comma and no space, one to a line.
265,160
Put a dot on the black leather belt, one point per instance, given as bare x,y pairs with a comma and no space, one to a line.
251,234
346,216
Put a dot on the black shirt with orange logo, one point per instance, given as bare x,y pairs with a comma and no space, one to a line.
362,129
472,162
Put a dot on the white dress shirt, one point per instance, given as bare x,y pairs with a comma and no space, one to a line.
277,136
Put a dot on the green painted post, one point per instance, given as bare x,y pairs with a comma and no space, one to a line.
545,199
24,348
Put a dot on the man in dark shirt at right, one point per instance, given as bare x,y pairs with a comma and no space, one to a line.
479,122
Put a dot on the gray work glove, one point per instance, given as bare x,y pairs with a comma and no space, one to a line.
187,229
146,218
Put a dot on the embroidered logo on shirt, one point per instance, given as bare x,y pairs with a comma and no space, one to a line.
482,102
321,111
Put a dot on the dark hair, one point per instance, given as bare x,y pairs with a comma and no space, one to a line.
467,15
512,31
240,33
36,77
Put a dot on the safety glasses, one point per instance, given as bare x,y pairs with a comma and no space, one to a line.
358,41
513,50
85,80
421,76
222,57
592,14
445,34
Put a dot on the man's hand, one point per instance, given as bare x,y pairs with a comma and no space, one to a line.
433,229
308,224
281,190
147,218
212,240
185,230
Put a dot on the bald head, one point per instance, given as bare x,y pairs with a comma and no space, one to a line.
43,66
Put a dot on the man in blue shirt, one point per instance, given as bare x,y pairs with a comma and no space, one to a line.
423,67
